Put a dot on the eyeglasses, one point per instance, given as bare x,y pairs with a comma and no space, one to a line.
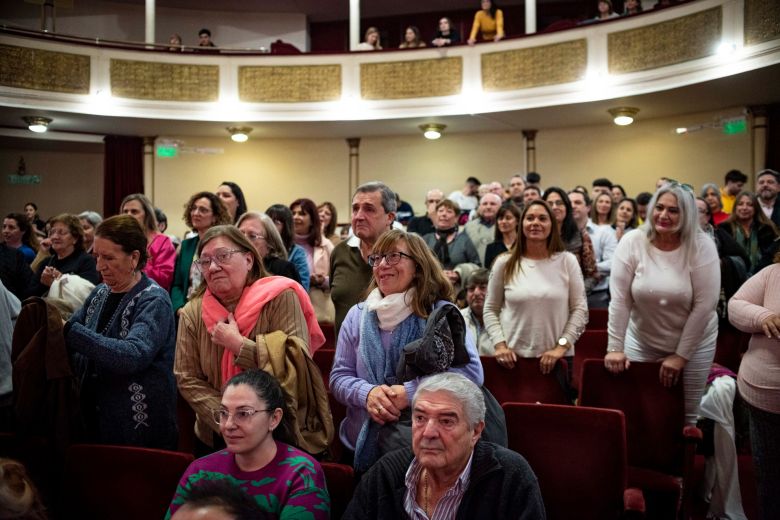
253,237
240,417
221,257
60,232
390,258
675,184
200,209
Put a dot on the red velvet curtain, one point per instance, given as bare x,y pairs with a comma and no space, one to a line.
123,170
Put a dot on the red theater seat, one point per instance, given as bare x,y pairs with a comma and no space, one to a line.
524,383
341,485
597,318
591,345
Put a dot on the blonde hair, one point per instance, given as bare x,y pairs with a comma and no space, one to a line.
18,496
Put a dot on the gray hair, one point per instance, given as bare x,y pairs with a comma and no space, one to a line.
272,237
462,389
388,195
689,217
92,217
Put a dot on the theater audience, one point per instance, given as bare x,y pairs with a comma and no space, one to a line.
423,225
328,221
232,197
749,226
10,306
124,337
282,218
18,234
488,23
261,231
476,289
446,35
160,253
412,39
599,186
626,217
454,249
481,230
308,236
605,12
371,41
663,299
507,225
89,221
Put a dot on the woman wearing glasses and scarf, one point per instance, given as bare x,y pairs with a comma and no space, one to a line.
454,249
407,285
240,318
665,288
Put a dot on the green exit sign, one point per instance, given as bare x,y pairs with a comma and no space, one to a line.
167,151
735,125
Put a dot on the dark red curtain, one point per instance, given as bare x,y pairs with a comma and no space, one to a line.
773,137
123,170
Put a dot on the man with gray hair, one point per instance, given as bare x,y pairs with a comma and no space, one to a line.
449,472
373,213
423,224
482,230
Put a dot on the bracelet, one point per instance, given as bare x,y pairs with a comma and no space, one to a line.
614,349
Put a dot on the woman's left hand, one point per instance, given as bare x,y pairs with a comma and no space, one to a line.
671,367
227,335
550,357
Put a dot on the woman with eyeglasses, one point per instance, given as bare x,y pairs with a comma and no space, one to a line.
261,457
407,284
202,211
238,319
122,340
259,229
664,292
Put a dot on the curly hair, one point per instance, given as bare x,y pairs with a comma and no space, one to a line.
218,209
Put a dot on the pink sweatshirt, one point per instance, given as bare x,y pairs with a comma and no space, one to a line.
160,261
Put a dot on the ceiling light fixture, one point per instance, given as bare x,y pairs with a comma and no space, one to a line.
432,130
239,134
37,124
623,116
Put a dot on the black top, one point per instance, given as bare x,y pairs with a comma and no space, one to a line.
78,262
279,267
421,225
15,272
453,36
109,308
493,250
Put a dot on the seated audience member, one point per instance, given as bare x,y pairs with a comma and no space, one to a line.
225,329
371,42
618,194
219,500
259,229
175,42
412,39
488,23
446,35
604,242
535,306
19,499
497,188
454,249
768,189
308,235
642,200
328,221
476,289
68,256
160,253
466,198
507,225
481,230
204,38
517,190
605,12
19,234
423,225
711,193
282,218
751,229
734,180
533,179
202,211
404,211
626,217
449,472
232,197
126,331
632,7
89,221
602,211
260,458
531,193
15,274
31,212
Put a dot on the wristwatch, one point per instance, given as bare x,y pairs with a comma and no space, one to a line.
563,342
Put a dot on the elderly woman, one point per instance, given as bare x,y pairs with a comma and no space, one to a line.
125,331
535,305
259,229
226,328
406,286
454,249
232,197
328,221
202,211
160,253
282,218
261,457
308,236
711,194
68,255
663,296
89,221
488,23
752,230
507,225
19,234
626,217
755,309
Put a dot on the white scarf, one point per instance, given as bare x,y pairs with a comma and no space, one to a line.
391,309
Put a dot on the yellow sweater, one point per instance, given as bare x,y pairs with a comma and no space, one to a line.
727,200
488,26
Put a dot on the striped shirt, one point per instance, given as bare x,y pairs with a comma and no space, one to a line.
447,508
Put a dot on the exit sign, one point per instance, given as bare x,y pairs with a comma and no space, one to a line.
167,150
735,125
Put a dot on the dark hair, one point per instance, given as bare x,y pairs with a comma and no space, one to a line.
24,226
568,228
634,222
507,207
218,209
314,238
447,203
533,187
768,171
150,219
282,214
602,182
554,242
417,39
759,218
533,178
330,229
477,277
735,176
622,191
225,495
238,193
643,199
34,205
268,389
493,9
473,180
73,224
585,197
204,31
160,216
126,232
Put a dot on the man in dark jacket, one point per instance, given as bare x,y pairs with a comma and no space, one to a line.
448,472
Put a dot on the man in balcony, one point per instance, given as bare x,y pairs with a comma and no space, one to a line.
204,38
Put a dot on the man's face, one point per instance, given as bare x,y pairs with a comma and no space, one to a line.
530,194
369,219
598,190
641,210
204,39
471,188
516,187
432,200
734,187
767,187
442,439
488,207
475,297
578,208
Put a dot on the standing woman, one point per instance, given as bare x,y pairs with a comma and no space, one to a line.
233,198
35,220
126,332
19,234
160,253
308,235
507,225
535,305
329,219
202,211
626,217
488,22
282,217
603,209
259,229
752,230
664,292
711,193
89,221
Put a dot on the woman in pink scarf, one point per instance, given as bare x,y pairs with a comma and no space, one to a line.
226,328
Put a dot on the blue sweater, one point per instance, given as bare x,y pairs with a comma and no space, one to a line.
131,365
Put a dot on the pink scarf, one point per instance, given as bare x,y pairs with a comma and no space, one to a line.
248,310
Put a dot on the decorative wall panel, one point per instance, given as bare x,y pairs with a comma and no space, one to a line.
164,81
289,84
762,21
37,69
534,67
411,79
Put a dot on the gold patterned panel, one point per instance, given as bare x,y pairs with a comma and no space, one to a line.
289,84
762,21
666,43
534,67
164,81
411,79
22,67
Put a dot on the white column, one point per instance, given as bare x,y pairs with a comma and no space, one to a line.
530,16
354,24
149,21
149,167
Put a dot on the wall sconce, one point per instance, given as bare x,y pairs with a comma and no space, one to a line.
432,130
623,116
37,124
239,134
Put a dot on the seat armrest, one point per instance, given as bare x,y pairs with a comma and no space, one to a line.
692,434
633,503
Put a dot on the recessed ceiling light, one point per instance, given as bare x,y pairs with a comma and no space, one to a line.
37,124
623,116
239,134
432,130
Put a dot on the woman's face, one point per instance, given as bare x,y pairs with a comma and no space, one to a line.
135,209
744,209
537,225
396,278
666,215
704,217
617,195
603,204
557,206
115,266
29,212
372,37
254,230
444,25
446,218
231,202
227,279
325,216
12,233
201,214
89,232
485,4
301,221
631,4
713,199
507,223
62,241
603,8
409,36
625,212
248,433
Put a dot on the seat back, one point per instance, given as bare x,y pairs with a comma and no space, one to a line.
578,455
598,318
655,415
525,383
341,486
591,345
120,482
329,331
324,359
